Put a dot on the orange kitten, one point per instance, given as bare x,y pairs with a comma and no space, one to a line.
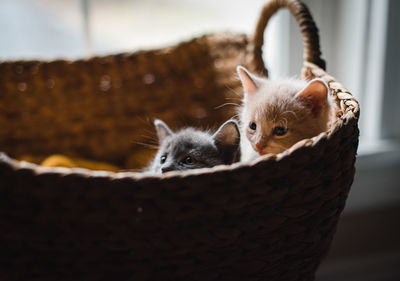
277,114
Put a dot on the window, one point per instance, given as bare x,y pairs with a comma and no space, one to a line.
57,28
43,29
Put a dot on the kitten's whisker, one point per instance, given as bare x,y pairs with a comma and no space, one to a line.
147,134
147,145
234,91
228,103
285,122
292,112
233,99
275,117
149,140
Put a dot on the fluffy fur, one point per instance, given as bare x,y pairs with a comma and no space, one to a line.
296,108
192,149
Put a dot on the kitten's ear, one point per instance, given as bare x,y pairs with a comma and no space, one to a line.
162,129
250,82
227,140
314,95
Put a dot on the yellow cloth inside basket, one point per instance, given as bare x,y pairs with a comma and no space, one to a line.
137,159
58,160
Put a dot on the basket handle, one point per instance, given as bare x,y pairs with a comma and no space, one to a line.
309,30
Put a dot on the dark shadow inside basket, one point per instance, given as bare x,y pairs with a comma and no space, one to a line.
102,108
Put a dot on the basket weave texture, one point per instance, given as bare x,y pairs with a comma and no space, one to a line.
272,219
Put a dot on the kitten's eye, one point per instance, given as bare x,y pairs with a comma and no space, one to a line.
163,159
253,126
280,131
188,160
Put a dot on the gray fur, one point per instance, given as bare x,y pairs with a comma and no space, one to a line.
205,150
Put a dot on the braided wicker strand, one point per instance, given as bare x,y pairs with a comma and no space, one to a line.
307,26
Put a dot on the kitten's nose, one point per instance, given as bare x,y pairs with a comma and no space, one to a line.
167,169
260,146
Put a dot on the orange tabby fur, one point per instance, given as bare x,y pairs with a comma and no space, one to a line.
302,108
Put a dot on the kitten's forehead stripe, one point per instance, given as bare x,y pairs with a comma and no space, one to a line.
275,106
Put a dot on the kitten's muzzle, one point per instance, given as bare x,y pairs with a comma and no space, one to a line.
260,146
167,169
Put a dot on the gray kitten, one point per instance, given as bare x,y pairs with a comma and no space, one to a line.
192,149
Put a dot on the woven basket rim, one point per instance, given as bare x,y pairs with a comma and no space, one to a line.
62,171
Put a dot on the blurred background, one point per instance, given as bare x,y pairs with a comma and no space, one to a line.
359,41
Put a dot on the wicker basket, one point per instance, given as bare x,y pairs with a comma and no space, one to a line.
272,219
